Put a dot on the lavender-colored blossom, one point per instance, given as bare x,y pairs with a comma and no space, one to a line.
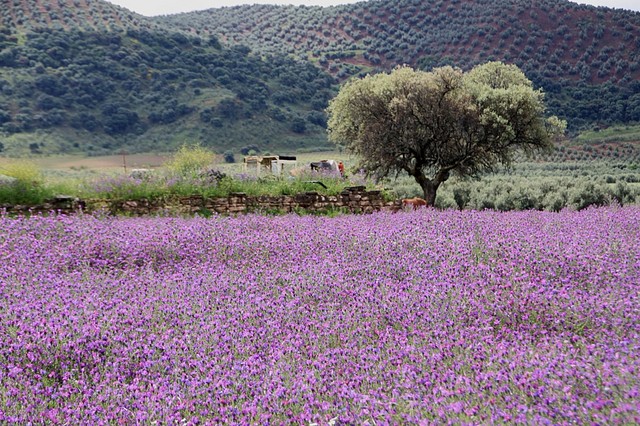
118,185
245,177
420,317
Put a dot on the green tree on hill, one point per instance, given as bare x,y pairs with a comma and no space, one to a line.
435,124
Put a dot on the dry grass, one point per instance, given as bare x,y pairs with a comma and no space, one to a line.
116,163
104,163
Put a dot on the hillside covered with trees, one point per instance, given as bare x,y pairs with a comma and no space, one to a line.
130,85
88,76
586,59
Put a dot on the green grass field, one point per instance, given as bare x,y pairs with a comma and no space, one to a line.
611,134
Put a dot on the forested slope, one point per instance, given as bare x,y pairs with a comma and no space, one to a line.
587,59
89,76
133,85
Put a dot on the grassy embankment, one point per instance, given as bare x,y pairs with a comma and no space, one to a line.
596,168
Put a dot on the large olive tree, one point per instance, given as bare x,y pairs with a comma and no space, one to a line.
435,124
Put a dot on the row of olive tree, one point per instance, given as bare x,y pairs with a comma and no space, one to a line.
569,58
519,191
433,125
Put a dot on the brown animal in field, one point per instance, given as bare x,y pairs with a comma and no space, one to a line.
415,202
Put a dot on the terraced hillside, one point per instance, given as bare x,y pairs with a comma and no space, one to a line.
587,59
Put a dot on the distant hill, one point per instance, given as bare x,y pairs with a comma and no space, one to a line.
587,59
88,76
70,83
87,15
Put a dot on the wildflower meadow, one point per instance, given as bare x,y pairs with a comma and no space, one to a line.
421,317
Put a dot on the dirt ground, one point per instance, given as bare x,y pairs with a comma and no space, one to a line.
81,167
110,162
138,161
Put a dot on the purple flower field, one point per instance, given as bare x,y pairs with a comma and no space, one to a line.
425,317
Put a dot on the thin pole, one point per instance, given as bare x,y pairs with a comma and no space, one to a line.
124,161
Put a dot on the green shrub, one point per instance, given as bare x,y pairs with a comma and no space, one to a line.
190,159
229,157
24,171
622,194
27,188
587,194
461,195
555,202
20,193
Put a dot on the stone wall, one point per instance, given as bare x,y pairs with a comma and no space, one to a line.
352,200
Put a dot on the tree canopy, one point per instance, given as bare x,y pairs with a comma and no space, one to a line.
435,124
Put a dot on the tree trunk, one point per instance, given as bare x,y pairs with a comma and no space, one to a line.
429,190
430,186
